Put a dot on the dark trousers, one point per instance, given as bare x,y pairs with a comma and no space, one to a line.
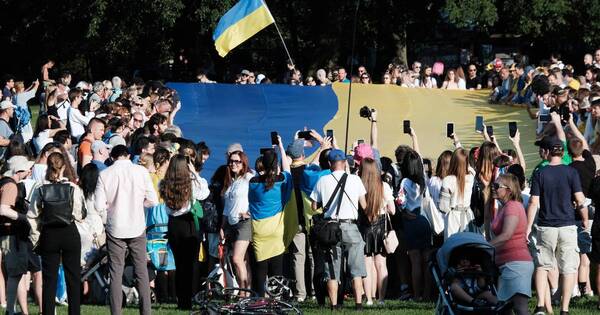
185,243
271,267
60,244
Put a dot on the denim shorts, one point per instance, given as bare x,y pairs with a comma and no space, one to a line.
352,248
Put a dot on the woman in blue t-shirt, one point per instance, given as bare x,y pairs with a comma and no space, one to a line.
268,194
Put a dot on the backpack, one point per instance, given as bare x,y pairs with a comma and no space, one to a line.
57,204
21,118
477,202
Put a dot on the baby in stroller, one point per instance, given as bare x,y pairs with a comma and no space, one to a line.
468,283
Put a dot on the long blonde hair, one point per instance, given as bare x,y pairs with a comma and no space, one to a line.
371,178
459,167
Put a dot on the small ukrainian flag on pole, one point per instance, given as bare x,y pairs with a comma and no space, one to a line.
241,22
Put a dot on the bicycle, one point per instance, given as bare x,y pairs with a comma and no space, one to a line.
216,299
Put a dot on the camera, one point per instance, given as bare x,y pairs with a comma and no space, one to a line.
365,112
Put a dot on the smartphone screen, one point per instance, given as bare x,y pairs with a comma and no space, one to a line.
329,133
479,123
274,140
407,126
305,135
490,130
512,128
449,130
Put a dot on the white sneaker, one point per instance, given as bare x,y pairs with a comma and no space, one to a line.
300,300
369,303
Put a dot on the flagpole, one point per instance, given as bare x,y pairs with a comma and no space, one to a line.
279,32
351,71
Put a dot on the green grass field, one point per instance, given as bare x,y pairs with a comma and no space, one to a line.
582,306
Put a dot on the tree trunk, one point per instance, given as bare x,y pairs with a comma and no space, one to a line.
400,44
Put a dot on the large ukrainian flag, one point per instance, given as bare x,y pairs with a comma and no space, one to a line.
241,22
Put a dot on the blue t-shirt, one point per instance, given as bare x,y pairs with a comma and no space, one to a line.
555,185
311,176
267,203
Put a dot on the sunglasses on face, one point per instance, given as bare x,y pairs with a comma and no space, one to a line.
235,162
498,186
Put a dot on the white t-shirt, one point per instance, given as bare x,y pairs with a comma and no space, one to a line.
78,121
451,185
388,196
38,172
410,194
435,186
235,198
42,139
354,189
61,109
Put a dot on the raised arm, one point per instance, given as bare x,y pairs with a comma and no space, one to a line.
577,133
415,141
516,140
285,162
560,132
374,131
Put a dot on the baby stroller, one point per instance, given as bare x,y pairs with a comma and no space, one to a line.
480,253
98,276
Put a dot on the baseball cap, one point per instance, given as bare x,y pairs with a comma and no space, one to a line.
18,163
245,72
336,155
362,151
549,142
295,149
595,101
259,78
6,105
234,147
99,145
574,84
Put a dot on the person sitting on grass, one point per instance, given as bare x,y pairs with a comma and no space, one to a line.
467,285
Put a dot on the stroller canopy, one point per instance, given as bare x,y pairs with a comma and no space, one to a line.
462,240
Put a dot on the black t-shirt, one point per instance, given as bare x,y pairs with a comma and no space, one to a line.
586,170
555,185
472,83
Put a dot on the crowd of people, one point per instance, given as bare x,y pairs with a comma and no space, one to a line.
105,164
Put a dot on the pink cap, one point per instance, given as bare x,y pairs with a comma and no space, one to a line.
362,151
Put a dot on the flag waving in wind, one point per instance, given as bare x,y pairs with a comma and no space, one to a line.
241,22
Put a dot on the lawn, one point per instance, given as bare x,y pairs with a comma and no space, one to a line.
581,306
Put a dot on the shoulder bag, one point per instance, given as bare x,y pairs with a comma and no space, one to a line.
327,231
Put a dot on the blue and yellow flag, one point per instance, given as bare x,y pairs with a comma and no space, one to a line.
241,22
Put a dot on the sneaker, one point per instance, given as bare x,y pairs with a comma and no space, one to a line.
369,303
299,299
359,306
539,310
381,303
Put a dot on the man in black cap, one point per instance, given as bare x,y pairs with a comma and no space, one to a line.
553,188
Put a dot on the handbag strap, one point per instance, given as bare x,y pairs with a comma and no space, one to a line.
340,185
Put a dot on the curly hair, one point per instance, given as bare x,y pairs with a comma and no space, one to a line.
176,188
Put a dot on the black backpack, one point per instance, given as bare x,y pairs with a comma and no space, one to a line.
57,204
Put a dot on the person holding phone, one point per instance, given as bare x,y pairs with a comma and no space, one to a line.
236,227
455,196
267,195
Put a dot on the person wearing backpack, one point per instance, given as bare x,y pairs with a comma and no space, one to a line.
55,207
13,226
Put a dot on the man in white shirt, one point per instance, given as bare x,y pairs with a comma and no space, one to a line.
122,192
352,244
